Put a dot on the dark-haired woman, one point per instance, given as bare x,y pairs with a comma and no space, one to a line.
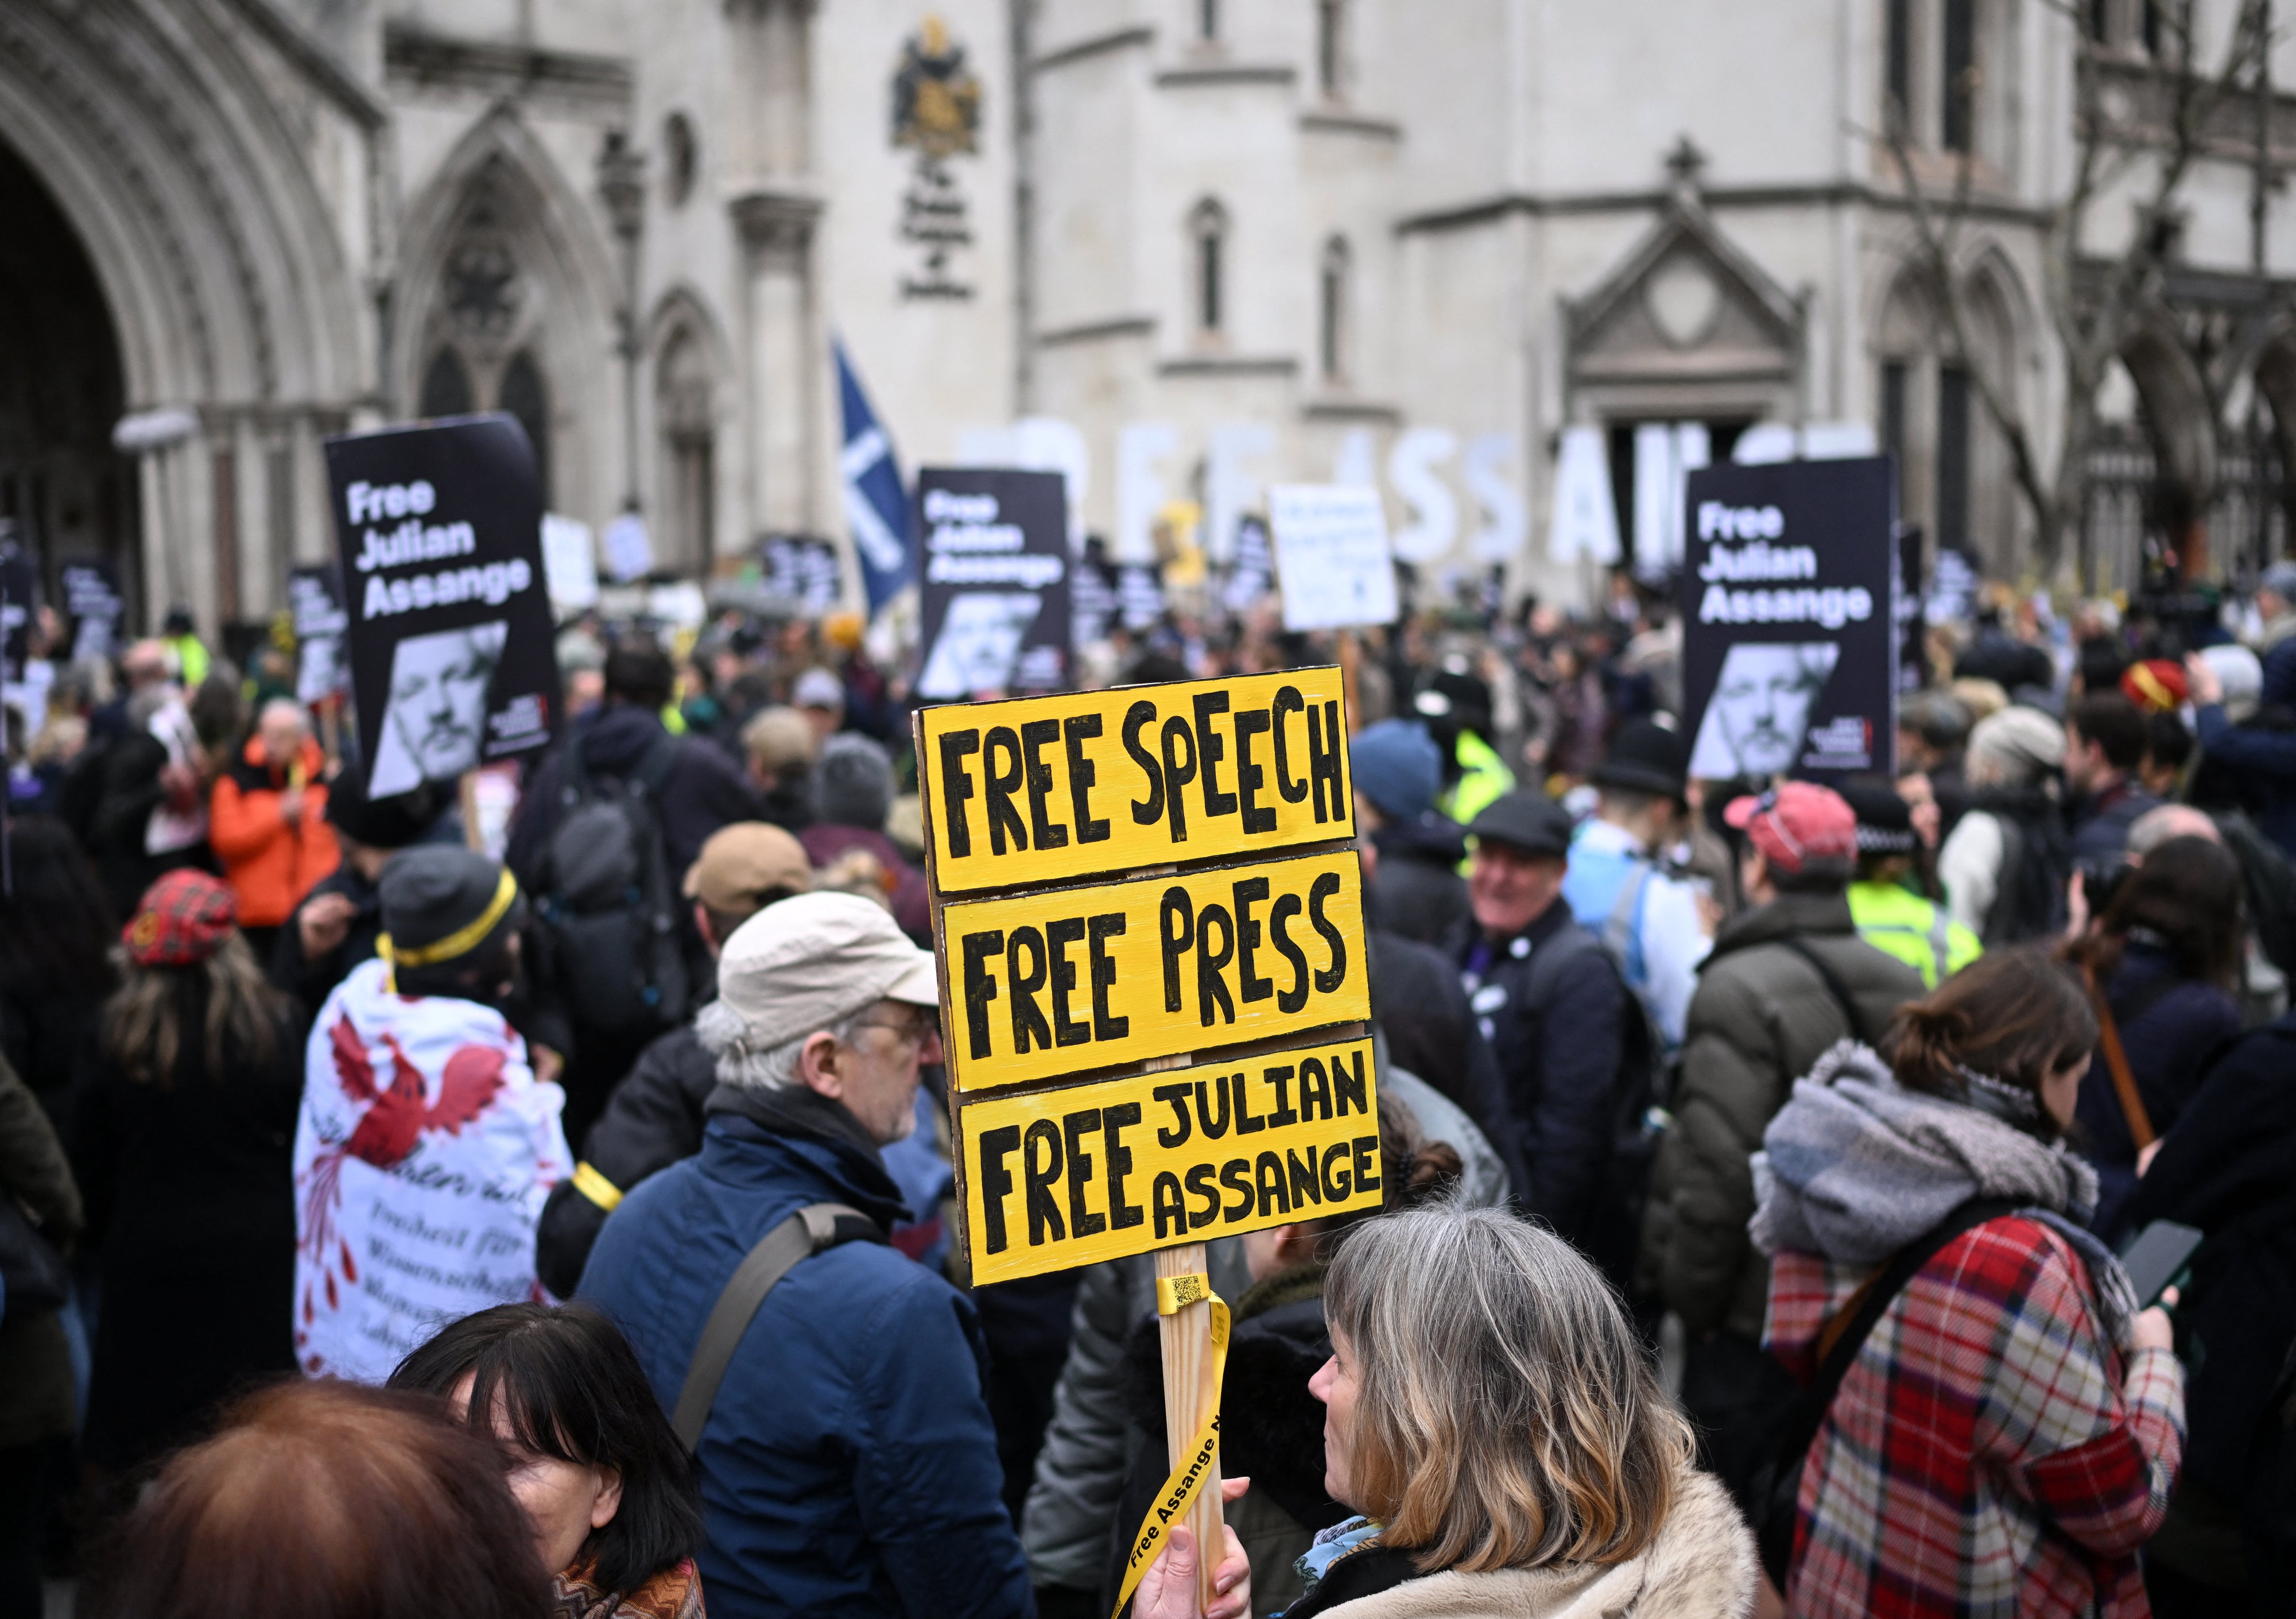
182,1133
603,1481
2165,956
2007,1435
55,961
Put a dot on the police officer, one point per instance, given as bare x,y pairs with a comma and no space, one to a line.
1889,914
1551,1002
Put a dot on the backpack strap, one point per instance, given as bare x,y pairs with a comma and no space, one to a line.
573,775
1626,910
1776,1495
1835,986
1941,943
654,767
810,1230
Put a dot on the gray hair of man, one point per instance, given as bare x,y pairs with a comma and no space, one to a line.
2155,827
1506,1414
745,1065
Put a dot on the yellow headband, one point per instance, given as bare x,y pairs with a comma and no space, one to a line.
463,938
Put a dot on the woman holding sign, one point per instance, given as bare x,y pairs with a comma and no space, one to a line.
1490,1417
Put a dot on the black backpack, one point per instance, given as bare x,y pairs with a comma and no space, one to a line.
604,893
1637,1092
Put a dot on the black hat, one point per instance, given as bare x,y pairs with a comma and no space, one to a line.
379,823
444,906
1531,822
1885,822
1458,696
1645,756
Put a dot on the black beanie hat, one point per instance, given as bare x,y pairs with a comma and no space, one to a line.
395,821
445,908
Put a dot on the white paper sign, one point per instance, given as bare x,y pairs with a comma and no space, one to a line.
1331,557
568,563
629,552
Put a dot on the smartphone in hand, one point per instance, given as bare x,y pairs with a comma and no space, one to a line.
2158,1258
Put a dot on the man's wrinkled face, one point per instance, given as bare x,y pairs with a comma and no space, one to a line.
1765,709
283,735
1511,889
440,709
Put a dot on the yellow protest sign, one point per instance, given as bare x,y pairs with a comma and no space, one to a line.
1072,979
1117,1166
1048,789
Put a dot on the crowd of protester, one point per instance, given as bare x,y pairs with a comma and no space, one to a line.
1758,1155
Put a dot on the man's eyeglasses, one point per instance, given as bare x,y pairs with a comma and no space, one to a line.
921,1024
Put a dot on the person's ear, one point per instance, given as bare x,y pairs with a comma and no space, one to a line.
821,1065
1295,1244
609,1500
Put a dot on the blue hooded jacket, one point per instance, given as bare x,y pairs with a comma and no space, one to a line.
849,1466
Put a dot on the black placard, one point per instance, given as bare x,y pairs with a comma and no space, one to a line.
993,554
314,598
1788,646
438,529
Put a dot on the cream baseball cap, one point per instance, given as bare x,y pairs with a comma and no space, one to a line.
812,960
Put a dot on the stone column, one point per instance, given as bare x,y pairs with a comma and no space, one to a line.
774,210
781,356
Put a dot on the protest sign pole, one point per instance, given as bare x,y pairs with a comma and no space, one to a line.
1191,1398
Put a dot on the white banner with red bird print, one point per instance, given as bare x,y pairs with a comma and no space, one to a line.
424,1152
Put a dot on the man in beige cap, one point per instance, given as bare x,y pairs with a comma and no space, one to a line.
846,1462
654,1117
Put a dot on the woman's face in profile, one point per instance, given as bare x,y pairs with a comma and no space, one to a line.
565,1500
1336,1383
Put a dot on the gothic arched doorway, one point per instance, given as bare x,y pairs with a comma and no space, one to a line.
68,494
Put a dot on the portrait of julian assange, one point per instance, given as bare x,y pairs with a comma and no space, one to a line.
434,727
1759,713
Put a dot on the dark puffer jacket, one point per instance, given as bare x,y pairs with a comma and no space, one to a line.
1762,1016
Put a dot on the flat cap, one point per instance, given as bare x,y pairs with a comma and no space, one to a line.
1529,821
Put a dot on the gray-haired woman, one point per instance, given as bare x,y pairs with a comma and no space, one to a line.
1491,1418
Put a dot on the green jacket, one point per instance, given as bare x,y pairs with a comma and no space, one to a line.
1912,929
1761,1017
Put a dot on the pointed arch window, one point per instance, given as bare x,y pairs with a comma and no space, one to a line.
1331,310
524,396
445,387
1208,227
683,391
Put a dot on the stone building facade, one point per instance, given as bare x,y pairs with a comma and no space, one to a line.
1176,248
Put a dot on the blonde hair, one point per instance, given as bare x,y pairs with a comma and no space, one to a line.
1506,1415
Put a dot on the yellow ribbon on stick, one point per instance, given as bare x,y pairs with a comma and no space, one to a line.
1186,1481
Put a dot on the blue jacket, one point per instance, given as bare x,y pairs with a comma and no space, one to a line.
850,1466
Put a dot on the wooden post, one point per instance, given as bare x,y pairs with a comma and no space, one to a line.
1190,1397
1350,657
1190,1394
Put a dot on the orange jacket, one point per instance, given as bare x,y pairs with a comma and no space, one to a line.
269,864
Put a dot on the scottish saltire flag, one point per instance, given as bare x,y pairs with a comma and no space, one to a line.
876,506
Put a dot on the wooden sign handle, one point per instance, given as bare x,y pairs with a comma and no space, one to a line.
1190,1398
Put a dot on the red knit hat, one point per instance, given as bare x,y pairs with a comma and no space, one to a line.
1797,821
184,919
2158,686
